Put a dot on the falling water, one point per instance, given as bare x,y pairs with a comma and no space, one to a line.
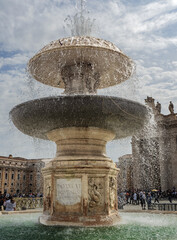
146,155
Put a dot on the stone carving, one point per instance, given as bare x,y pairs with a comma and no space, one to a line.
80,78
79,41
158,107
96,194
47,194
171,107
112,192
69,191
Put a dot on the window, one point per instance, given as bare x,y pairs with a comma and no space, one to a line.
12,184
6,176
12,175
0,175
31,177
24,177
18,176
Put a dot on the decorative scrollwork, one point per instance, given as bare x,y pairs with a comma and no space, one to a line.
95,193
112,192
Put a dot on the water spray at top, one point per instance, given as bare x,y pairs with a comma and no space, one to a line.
80,24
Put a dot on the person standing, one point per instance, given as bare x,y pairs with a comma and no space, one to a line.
169,196
148,199
143,201
1,201
10,204
156,199
135,198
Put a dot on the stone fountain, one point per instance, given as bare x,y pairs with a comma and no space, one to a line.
80,183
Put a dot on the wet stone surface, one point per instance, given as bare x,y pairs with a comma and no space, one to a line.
40,116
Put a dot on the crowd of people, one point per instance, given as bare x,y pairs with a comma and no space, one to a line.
144,198
7,201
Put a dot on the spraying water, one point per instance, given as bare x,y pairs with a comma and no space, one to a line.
80,24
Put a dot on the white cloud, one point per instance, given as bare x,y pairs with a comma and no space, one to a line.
14,60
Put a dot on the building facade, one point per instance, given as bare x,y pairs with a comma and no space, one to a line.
20,176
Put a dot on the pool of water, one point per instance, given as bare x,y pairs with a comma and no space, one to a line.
138,226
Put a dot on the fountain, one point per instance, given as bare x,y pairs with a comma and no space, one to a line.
80,183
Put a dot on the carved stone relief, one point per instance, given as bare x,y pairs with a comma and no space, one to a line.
112,192
96,194
47,194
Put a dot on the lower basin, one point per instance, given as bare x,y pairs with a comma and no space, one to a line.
132,226
40,116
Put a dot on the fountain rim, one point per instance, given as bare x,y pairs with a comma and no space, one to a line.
79,46
75,96
107,115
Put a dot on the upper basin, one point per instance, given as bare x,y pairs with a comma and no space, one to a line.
38,117
104,61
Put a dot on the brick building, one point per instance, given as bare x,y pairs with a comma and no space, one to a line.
20,175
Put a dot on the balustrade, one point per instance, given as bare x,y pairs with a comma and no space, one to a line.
28,203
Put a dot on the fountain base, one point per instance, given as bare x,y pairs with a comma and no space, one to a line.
80,184
94,221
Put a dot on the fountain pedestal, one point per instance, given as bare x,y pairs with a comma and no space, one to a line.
81,182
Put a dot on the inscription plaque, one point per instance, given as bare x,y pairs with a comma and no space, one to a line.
68,191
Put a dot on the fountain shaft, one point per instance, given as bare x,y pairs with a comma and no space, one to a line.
81,178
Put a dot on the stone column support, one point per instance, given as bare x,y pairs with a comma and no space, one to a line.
3,179
80,176
9,179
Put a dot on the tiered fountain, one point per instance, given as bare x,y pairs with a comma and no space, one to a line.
80,183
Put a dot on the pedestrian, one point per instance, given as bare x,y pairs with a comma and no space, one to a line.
148,199
156,195
135,198
127,197
1,201
143,201
169,194
10,204
138,198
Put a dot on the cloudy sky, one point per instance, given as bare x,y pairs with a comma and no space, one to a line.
146,30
